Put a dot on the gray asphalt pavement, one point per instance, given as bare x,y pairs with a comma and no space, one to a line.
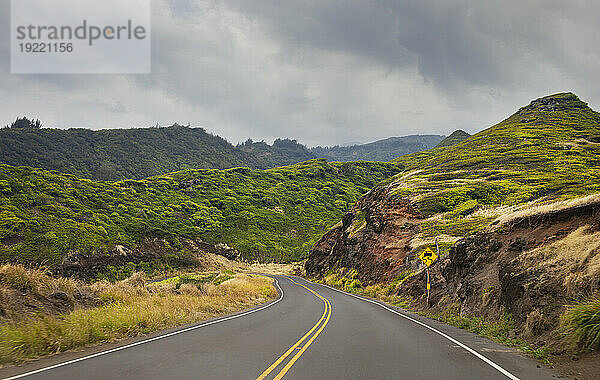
312,332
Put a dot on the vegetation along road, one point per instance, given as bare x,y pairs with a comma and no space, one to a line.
310,332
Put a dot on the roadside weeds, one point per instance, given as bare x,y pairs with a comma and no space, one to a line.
128,308
498,331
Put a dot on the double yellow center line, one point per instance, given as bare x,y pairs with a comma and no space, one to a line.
322,322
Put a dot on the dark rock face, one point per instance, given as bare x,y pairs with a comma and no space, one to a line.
550,105
89,265
61,302
553,103
372,238
324,255
61,296
225,251
492,272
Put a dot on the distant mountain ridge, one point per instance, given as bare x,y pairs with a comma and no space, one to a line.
116,154
282,152
381,150
113,154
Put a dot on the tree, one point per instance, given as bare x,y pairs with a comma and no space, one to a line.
23,122
106,172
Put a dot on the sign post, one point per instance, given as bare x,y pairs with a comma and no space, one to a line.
428,286
428,257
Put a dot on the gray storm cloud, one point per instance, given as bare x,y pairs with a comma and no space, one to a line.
328,72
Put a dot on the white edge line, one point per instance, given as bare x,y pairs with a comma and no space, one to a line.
150,339
469,349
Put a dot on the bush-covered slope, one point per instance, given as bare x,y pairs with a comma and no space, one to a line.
545,151
118,154
382,150
112,154
282,152
265,214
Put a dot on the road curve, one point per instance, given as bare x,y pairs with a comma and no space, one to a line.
310,332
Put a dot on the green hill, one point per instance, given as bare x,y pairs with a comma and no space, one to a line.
116,154
274,214
382,150
514,212
282,152
112,154
454,138
546,151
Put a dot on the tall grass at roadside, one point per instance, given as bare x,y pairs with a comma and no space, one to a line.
498,330
347,280
129,308
581,324
23,279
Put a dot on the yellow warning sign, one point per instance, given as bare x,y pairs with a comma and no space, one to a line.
428,256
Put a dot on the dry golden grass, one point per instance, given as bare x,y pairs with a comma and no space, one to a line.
532,209
419,241
21,287
20,278
494,211
212,261
208,262
577,255
273,268
129,308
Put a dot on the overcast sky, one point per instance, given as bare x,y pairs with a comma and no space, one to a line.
328,71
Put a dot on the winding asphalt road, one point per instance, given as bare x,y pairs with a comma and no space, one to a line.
310,332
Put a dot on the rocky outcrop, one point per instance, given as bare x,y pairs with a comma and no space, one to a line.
225,251
87,265
372,238
528,267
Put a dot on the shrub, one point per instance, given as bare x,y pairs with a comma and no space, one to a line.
48,214
127,309
581,323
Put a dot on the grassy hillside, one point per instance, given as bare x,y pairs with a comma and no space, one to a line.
382,150
547,151
114,154
455,137
265,214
